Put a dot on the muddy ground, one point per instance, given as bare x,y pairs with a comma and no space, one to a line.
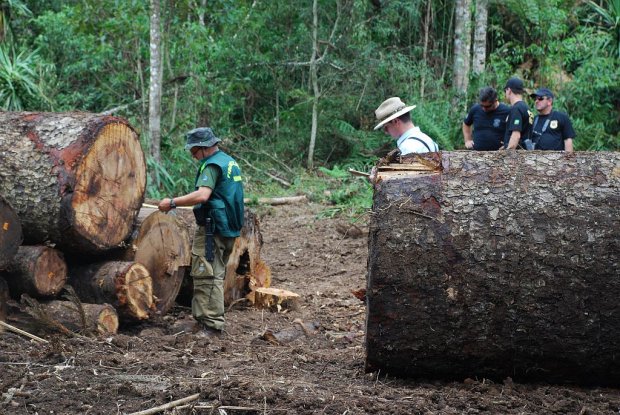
320,373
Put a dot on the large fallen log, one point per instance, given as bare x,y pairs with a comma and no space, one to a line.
75,179
10,233
495,265
126,285
161,243
39,271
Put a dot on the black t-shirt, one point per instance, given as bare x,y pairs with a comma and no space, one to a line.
519,119
549,131
489,127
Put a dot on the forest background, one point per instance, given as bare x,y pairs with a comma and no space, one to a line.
292,86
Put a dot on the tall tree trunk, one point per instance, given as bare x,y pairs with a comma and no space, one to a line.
480,37
315,82
155,83
496,264
462,45
427,27
74,179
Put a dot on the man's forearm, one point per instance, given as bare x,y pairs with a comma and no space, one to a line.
514,140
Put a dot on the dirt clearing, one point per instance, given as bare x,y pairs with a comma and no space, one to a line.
320,372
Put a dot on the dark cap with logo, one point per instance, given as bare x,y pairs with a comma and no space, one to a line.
542,92
516,85
201,137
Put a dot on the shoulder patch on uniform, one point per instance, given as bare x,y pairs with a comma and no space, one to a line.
517,121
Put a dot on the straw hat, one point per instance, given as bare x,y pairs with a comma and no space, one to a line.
389,109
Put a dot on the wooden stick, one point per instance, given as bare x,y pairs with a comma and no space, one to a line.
354,172
22,332
169,405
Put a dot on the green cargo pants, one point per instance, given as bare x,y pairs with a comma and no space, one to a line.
208,299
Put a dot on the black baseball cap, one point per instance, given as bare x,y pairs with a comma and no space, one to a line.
542,92
516,85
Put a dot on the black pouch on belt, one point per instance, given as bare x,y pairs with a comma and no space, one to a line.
209,252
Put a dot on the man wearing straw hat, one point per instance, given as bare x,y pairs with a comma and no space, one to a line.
393,116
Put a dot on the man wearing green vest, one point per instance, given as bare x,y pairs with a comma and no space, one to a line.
218,208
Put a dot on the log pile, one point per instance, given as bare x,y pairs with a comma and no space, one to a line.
76,182
495,265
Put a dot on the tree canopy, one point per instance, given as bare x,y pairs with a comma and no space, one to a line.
244,68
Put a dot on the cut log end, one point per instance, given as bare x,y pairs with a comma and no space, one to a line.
105,200
50,272
139,291
107,320
274,298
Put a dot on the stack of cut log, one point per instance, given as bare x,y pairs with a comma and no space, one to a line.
74,185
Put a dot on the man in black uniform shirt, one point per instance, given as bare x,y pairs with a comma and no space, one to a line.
551,130
489,122
520,118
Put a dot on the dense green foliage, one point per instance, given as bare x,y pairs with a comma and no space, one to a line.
241,66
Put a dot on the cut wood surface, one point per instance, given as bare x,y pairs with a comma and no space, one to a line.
126,285
75,179
39,271
274,298
98,318
498,264
10,233
161,243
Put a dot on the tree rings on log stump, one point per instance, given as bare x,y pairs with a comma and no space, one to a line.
39,271
274,298
10,233
161,244
75,179
126,285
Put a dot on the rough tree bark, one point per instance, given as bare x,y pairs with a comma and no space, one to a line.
125,285
75,179
497,264
10,232
39,271
480,37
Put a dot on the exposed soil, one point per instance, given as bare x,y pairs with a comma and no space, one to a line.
320,372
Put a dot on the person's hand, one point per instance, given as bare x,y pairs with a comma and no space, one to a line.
164,205
469,145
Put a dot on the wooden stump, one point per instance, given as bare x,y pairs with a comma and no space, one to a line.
99,318
75,179
160,242
39,271
496,264
10,233
125,285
